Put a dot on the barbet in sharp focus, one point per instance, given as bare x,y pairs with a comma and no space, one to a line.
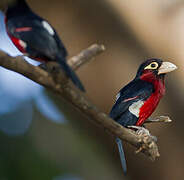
35,37
138,99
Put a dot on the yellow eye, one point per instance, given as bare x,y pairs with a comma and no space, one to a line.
153,65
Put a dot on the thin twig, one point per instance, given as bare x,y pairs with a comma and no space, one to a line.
85,55
159,119
145,143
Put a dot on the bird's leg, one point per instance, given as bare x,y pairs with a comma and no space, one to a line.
140,130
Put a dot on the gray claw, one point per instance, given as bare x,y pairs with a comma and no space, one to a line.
140,130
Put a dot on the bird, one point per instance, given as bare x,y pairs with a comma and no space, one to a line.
136,101
36,38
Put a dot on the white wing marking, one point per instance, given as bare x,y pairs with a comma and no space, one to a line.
48,27
117,96
23,44
135,107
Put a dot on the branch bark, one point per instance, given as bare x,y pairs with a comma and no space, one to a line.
144,142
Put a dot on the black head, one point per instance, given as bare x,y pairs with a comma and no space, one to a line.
17,7
18,3
154,68
151,65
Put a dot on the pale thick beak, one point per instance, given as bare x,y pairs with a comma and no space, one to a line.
166,67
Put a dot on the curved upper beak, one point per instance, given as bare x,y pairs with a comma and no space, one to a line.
166,67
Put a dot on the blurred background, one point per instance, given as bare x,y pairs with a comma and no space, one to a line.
43,137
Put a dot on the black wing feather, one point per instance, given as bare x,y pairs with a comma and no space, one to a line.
136,88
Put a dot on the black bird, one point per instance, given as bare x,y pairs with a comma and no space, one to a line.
35,37
138,99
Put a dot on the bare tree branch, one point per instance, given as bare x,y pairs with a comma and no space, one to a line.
49,79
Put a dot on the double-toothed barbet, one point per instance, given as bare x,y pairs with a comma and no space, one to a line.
35,37
138,99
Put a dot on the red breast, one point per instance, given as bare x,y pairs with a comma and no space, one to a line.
151,103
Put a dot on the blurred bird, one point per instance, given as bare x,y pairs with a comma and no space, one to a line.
138,99
20,104
35,37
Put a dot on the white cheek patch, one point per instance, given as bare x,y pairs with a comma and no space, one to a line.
48,27
135,107
23,44
117,96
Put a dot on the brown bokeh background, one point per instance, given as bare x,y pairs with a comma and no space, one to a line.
131,32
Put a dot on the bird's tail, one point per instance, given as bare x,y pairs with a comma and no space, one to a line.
122,155
71,74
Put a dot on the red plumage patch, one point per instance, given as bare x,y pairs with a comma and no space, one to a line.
129,99
23,29
151,103
16,42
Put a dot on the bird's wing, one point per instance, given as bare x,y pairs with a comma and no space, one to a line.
133,92
39,37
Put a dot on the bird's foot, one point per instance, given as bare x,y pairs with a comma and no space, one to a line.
51,67
141,131
25,54
43,66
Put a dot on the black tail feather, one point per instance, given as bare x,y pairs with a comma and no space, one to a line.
122,155
71,74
